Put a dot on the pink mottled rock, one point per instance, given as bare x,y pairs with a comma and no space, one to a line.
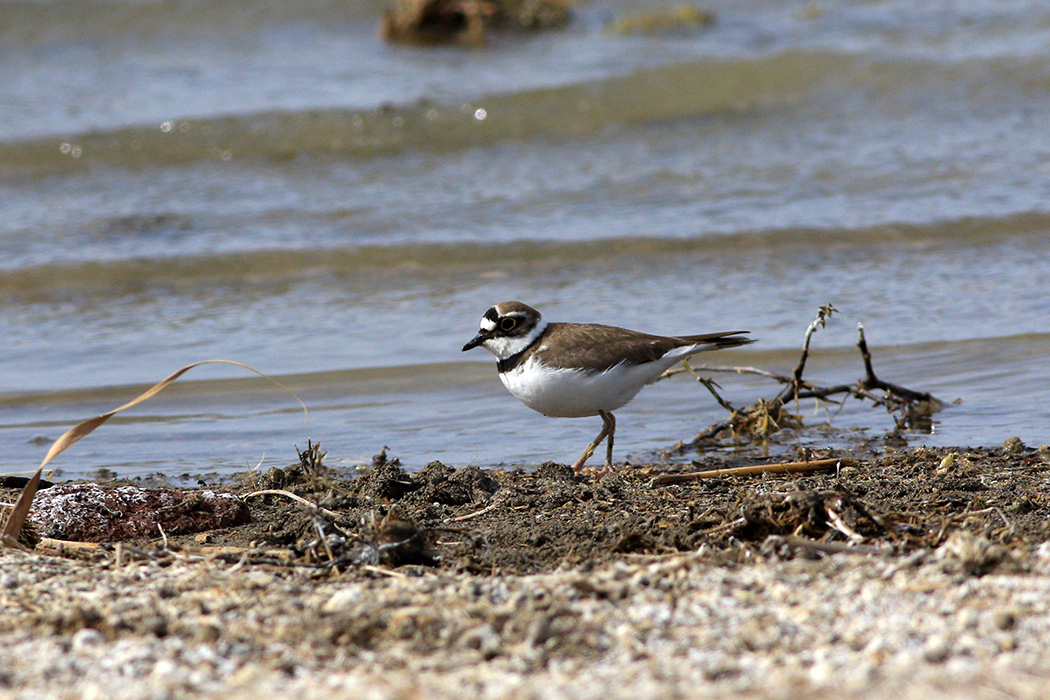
93,513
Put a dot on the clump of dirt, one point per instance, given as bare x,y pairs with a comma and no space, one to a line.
94,513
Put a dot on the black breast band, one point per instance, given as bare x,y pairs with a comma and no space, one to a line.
509,363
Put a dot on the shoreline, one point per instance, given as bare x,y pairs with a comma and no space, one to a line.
932,578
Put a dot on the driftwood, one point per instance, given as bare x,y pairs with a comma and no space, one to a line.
912,408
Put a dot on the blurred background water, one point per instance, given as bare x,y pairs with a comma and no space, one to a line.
268,181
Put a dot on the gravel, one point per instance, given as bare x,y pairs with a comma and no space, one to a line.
698,625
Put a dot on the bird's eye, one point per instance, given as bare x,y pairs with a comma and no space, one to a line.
508,324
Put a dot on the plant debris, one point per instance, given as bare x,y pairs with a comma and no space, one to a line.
910,409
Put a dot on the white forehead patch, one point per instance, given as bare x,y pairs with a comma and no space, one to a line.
487,324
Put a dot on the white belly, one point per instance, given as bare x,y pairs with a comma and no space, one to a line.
567,393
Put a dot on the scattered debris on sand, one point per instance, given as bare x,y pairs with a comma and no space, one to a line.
529,521
930,565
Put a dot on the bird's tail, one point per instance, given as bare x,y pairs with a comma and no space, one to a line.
725,339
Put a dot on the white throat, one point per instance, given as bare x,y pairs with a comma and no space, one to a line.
505,347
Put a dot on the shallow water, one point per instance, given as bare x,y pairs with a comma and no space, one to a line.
289,192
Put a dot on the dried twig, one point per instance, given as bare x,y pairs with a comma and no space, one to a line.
383,572
294,497
281,554
65,547
48,544
777,468
796,383
835,520
686,367
468,516
710,384
873,382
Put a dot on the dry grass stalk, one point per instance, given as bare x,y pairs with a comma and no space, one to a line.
13,527
120,551
11,535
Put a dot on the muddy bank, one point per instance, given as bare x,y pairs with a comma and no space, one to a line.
483,521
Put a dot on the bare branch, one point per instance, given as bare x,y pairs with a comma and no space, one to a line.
765,417
873,382
796,383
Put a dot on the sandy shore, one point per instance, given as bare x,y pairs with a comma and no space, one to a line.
493,606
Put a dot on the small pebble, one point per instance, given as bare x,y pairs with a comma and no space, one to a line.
164,668
1004,620
86,639
259,579
822,672
967,618
936,649
342,599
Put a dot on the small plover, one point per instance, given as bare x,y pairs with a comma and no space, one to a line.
571,370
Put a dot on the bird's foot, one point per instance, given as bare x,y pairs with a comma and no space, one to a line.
577,466
598,473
